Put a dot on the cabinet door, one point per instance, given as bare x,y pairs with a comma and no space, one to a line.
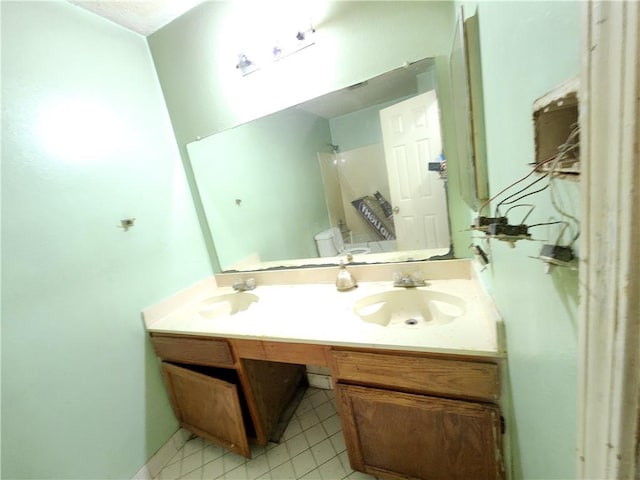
208,407
400,436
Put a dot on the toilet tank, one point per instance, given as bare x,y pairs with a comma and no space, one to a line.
329,242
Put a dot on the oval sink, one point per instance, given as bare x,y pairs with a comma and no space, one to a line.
409,308
226,305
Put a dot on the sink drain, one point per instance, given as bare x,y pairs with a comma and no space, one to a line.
411,321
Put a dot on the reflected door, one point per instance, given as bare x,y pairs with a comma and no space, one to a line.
411,137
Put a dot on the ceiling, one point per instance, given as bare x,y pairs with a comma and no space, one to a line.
392,85
141,16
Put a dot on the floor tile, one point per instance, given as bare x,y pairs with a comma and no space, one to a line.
315,434
325,410
231,461
323,451
277,456
337,440
303,463
312,475
239,473
176,458
192,462
308,419
312,448
284,472
332,424
257,466
318,398
213,470
193,475
304,407
292,429
170,472
332,470
192,446
297,444
211,453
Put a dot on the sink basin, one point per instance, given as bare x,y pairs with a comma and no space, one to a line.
409,308
226,305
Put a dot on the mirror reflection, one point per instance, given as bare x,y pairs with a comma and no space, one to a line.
356,174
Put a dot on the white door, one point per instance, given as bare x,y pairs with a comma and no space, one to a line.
411,137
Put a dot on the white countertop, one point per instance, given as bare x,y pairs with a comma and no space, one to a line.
319,314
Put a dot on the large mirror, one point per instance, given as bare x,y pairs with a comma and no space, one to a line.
357,174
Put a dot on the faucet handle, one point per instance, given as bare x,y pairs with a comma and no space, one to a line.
407,280
242,285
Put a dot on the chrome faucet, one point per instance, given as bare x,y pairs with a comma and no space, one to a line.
242,285
408,280
345,281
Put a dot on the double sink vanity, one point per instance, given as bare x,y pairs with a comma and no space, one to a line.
416,371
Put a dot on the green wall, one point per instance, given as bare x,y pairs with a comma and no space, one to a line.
76,365
271,166
528,48
86,142
358,129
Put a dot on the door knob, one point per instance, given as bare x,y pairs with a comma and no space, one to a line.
396,209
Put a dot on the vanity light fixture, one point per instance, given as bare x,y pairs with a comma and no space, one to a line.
245,65
293,43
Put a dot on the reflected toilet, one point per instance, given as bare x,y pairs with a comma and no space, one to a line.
331,244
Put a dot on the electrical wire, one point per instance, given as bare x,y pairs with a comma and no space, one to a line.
522,205
546,223
504,201
527,195
534,170
568,146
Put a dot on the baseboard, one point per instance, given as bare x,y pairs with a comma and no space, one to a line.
320,381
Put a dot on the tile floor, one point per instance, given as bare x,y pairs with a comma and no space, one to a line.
311,448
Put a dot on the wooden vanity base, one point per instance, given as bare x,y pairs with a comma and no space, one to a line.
404,414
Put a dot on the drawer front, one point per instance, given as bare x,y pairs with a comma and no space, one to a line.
465,379
199,351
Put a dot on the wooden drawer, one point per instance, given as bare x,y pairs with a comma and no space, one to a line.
464,379
193,350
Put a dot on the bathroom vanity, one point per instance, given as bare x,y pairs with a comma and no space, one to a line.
416,400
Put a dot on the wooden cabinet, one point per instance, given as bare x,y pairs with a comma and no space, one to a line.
193,350
208,406
223,398
406,416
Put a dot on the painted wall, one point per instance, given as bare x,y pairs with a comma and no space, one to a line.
271,166
359,129
528,48
195,57
86,142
